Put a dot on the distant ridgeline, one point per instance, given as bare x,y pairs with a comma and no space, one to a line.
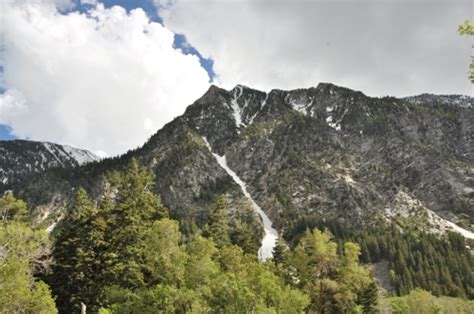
20,158
328,157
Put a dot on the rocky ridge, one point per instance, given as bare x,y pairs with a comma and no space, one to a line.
322,153
20,158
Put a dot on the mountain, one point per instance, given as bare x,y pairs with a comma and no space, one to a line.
20,158
461,100
322,153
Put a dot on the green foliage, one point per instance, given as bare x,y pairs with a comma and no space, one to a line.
368,299
468,29
442,265
168,266
256,130
24,252
217,227
12,209
246,230
280,252
334,284
124,255
80,255
19,292
136,208
209,281
210,189
439,264
422,302
106,245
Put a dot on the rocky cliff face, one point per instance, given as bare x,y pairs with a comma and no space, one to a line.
334,153
320,153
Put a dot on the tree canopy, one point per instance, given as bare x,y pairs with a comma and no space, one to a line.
468,29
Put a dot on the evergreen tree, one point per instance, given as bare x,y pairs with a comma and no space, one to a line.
241,234
217,227
280,252
245,229
369,298
136,209
79,254
365,253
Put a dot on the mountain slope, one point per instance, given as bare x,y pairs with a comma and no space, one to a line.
332,153
20,158
326,153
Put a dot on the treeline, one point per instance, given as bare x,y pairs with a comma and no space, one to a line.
442,265
123,254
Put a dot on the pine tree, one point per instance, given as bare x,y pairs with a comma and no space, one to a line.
78,272
369,298
136,209
217,227
241,235
280,252
365,254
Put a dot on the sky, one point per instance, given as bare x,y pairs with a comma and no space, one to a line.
106,75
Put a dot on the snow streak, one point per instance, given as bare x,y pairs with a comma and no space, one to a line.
271,234
235,106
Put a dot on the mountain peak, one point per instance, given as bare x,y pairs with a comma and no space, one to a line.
23,157
321,152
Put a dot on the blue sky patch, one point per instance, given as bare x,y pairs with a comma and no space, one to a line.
150,9
5,133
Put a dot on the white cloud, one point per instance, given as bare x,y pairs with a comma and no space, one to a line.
105,81
91,2
64,5
394,47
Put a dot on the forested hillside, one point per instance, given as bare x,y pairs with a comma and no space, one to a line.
123,254
369,200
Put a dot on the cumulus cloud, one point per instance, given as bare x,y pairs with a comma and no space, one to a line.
90,2
387,47
64,5
105,80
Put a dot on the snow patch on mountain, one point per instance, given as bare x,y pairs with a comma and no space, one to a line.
271,234
335,125
68,152
237,111
52,151
301,106
20,157
80,155
264,102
